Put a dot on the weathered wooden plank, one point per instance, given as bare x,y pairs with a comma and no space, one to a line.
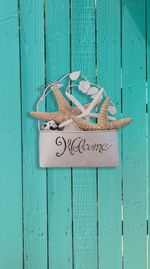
109,179
10,139
84,179
134,136
59,180
34,178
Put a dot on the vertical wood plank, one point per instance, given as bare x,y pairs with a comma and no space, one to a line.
134,136
148,122
34,178
10,139
84,179
109,179
59,179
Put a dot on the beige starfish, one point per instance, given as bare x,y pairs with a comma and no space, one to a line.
65,111
102,123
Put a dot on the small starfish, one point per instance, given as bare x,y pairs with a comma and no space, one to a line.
65,111
103,123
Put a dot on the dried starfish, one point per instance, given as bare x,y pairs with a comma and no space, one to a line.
65,111
102,123
85,112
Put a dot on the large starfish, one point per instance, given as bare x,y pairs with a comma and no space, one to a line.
103,123
65,111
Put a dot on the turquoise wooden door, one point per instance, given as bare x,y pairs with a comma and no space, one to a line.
74,218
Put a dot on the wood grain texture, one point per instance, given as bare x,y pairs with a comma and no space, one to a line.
134,136
148,121
58,226
84,179
10,139
59,180
34,178
109,179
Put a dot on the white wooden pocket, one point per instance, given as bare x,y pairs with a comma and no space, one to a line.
78,149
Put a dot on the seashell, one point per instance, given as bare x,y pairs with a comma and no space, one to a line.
112,109
93,91
71,127
50,125
75,75
84,86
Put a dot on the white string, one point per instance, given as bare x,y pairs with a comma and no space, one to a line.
69,86
63,77
91,82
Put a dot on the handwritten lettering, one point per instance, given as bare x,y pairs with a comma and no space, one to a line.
78,145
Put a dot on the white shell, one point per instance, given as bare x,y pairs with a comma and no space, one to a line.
75,75
84,86
71,127
112,110
49,125
92,91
